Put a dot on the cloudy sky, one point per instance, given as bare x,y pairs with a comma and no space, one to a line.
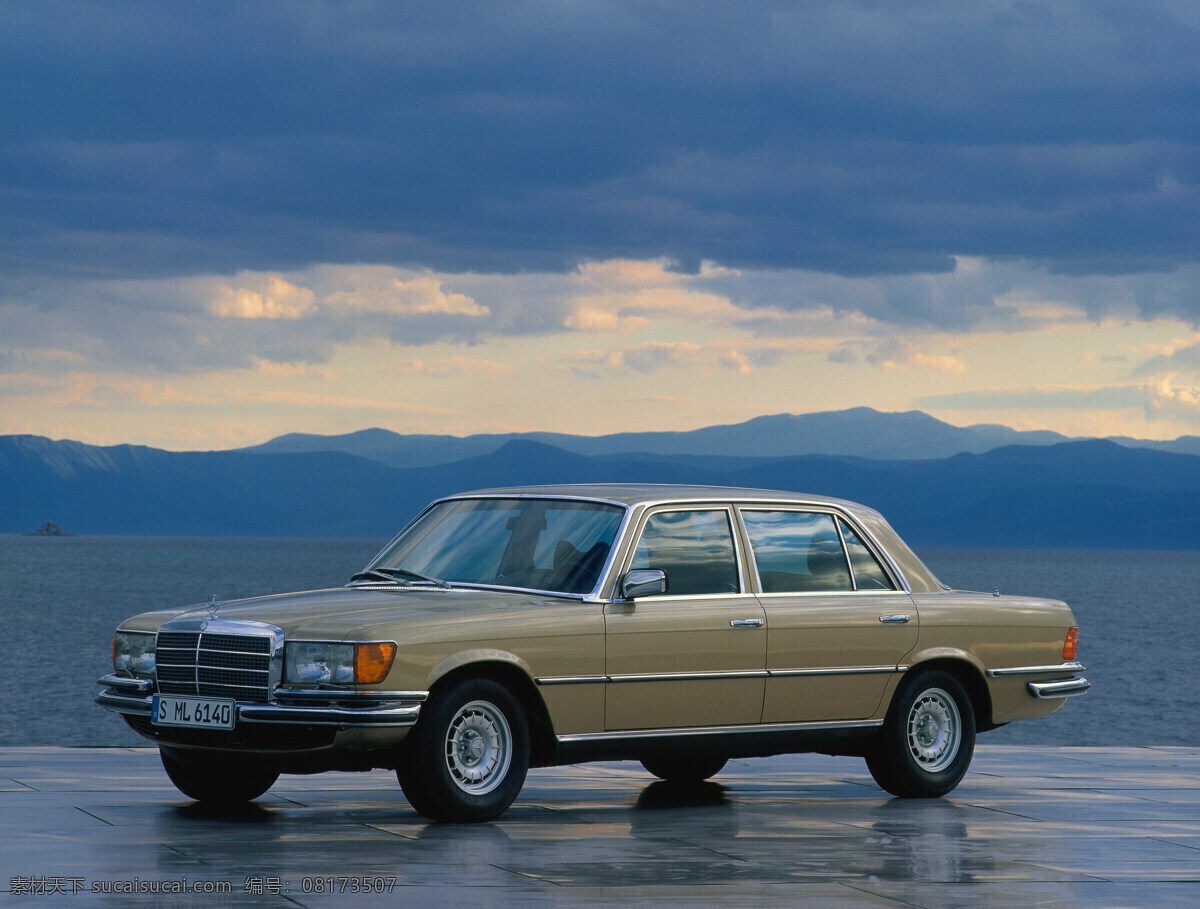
222,221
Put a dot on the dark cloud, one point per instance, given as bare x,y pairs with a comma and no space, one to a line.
1186,360
182,326
150,138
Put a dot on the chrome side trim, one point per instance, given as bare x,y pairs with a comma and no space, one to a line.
832,593
837,670
1035,670
715,676
701,731
692,676
573,680
1065,689
744,595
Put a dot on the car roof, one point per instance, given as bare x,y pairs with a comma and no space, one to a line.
655,493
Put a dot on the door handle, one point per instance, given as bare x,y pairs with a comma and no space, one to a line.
895,619
746,623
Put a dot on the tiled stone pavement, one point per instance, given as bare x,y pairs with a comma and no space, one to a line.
1103,827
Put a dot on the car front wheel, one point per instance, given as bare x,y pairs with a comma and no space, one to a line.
466,760
927,739
218,785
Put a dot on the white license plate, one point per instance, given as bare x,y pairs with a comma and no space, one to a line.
203,713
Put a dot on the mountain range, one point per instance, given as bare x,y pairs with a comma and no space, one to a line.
858,432
938,484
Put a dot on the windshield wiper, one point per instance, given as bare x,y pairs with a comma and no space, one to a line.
390,574
373,574
416,576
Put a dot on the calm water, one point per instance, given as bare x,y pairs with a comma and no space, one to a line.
61,598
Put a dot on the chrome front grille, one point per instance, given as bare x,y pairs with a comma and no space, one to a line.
218,664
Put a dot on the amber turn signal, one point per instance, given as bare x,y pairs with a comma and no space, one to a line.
372,662
1071,645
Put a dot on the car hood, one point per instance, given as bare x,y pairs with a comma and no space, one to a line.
365,613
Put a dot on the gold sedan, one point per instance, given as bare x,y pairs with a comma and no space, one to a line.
677,626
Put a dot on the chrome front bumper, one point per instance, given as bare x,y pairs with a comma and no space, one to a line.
343,709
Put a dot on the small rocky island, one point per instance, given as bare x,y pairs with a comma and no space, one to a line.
49,529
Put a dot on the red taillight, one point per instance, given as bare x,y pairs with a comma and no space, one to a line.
1071,645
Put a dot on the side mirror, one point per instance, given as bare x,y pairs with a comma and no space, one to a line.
643,582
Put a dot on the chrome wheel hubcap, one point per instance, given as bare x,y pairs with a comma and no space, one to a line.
934,730
478,747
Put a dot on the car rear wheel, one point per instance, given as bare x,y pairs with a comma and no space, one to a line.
466,760
218,785
927,739
685,769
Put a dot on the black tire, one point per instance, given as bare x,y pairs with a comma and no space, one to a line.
928,737
218,785
685,769
466,759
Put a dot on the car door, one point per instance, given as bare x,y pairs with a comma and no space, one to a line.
838,623
695,655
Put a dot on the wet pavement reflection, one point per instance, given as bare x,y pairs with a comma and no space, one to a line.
1027,827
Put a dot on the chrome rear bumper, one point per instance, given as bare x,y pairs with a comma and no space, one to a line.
1062,689
1058,688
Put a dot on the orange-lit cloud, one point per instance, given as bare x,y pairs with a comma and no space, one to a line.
940,362
420,295
1164,396
593,320
278,299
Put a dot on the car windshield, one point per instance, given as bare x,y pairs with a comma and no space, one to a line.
557,545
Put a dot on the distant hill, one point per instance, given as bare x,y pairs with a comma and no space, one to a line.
386,447
1182,445
1091,493
859,432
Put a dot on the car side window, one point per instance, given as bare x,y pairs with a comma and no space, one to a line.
868,573
694,548
797,552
